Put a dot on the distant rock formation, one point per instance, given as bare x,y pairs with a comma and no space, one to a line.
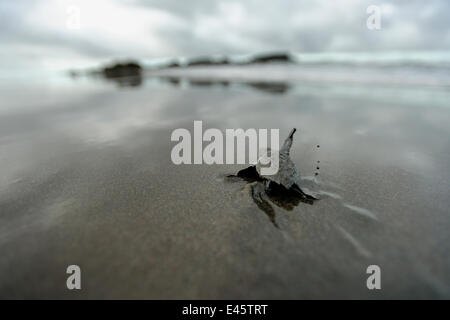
122,70
117,71
74,73
205,61
269,58
171,65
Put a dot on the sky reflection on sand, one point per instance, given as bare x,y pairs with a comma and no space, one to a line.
86,176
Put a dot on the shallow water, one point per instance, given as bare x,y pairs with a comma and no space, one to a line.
86,178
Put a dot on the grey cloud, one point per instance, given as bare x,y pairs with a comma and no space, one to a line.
212,27
275,25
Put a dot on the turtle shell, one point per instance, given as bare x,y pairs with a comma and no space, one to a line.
287,174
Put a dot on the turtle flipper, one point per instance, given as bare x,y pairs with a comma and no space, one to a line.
304,195
249,174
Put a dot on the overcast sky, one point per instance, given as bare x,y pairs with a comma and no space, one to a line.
37,33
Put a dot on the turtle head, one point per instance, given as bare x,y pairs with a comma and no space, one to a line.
291,135
288,143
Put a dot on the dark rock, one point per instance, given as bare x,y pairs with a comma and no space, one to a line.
122,70
173,65
269,58
205,61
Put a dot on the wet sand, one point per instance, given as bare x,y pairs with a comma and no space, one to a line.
86,178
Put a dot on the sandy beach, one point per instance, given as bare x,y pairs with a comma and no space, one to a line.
86,178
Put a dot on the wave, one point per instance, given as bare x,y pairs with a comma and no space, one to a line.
433,59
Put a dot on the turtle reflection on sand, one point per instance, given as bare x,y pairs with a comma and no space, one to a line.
282,189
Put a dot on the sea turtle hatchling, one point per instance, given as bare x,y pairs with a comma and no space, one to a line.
286,179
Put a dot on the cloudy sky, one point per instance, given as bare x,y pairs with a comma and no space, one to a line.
46,34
